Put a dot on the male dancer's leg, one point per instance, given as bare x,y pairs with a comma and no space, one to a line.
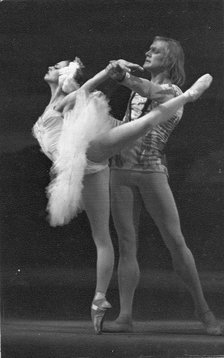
126,206
160,204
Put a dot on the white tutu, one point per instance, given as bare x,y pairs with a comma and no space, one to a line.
89,118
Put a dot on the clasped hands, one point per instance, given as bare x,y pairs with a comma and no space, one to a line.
117,69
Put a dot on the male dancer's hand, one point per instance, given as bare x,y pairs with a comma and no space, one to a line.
126,65
117,69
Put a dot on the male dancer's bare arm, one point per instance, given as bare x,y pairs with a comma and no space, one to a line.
103,75
142,86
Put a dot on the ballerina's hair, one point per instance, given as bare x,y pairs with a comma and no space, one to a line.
71,75
174,60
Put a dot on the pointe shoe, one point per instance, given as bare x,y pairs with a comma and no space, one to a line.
198,88
210,323
98,310
118,327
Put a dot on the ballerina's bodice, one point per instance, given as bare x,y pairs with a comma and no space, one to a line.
47,130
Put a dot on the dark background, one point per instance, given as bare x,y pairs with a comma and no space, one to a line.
36,34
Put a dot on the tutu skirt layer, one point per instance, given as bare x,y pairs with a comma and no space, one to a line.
88,119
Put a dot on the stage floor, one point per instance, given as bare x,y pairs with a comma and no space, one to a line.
47,315
76,339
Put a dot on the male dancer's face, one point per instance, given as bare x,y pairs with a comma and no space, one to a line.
155,57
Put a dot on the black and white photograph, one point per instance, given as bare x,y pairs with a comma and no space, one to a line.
112,178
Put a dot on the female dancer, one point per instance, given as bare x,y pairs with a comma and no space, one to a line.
78,134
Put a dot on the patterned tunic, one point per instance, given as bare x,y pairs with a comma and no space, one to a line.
147,152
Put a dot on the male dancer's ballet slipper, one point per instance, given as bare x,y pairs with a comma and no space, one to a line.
118,327
210,323
198,88
98,310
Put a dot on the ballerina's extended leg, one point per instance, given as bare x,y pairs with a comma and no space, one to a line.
110,143
198,88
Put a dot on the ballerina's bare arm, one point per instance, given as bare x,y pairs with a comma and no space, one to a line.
67,102
90,85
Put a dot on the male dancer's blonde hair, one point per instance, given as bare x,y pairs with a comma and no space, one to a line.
174,60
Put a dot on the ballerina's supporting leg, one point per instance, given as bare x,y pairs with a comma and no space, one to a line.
97,207
109,143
